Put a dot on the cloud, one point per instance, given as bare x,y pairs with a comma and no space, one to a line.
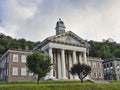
14,15
36,19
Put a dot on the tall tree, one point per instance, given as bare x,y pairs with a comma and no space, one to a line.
39,64
117,53
105,52
82,70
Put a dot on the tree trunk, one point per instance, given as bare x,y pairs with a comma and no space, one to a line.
81,80
38,79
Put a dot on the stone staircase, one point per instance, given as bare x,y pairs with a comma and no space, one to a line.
100,81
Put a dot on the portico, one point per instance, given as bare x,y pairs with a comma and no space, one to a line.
65,49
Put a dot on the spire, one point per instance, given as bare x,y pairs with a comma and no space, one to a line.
60,27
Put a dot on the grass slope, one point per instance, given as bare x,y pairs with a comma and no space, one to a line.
58,85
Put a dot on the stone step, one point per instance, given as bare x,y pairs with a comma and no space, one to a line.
100,81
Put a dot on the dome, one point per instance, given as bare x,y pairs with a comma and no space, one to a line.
60,23
60,27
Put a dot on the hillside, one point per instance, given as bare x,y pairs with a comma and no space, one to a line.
97,49
7,42
104,50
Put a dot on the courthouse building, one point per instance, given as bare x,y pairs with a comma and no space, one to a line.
65,49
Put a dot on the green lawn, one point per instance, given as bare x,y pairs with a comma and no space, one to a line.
58,85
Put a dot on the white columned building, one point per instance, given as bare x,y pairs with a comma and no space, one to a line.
65,49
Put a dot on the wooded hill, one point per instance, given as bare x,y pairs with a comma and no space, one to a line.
7,42
104,50
97,49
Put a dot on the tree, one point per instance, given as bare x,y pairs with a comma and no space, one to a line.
82,70
39,64
7,42
105,52
117,53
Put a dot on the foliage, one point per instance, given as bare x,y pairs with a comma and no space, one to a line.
117,53
104,50
82,70
39,63
7,42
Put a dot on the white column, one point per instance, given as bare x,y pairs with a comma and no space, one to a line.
85,62
70,65
63,64
74,62
80,58
74,57
59,65
85,57
51,55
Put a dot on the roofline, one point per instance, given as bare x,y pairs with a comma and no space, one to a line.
76,36
9,50
95,59
112,59
44,41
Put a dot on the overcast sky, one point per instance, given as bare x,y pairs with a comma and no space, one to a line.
35,20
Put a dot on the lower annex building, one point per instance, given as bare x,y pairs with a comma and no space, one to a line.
13,66
112,69
96,67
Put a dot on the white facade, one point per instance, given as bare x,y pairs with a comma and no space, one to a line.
65,49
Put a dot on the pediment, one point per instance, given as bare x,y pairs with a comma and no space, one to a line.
68,38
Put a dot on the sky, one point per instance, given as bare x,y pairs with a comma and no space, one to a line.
36,20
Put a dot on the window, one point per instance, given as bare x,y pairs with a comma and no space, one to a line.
95,74
99,64
15,71
104,70
23,58
23,71
100,75
15,58
111,64
108,70
118,68
107,65
104,66
111,69
94,64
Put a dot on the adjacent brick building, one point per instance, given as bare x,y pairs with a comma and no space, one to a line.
112,69
97,68
13,66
